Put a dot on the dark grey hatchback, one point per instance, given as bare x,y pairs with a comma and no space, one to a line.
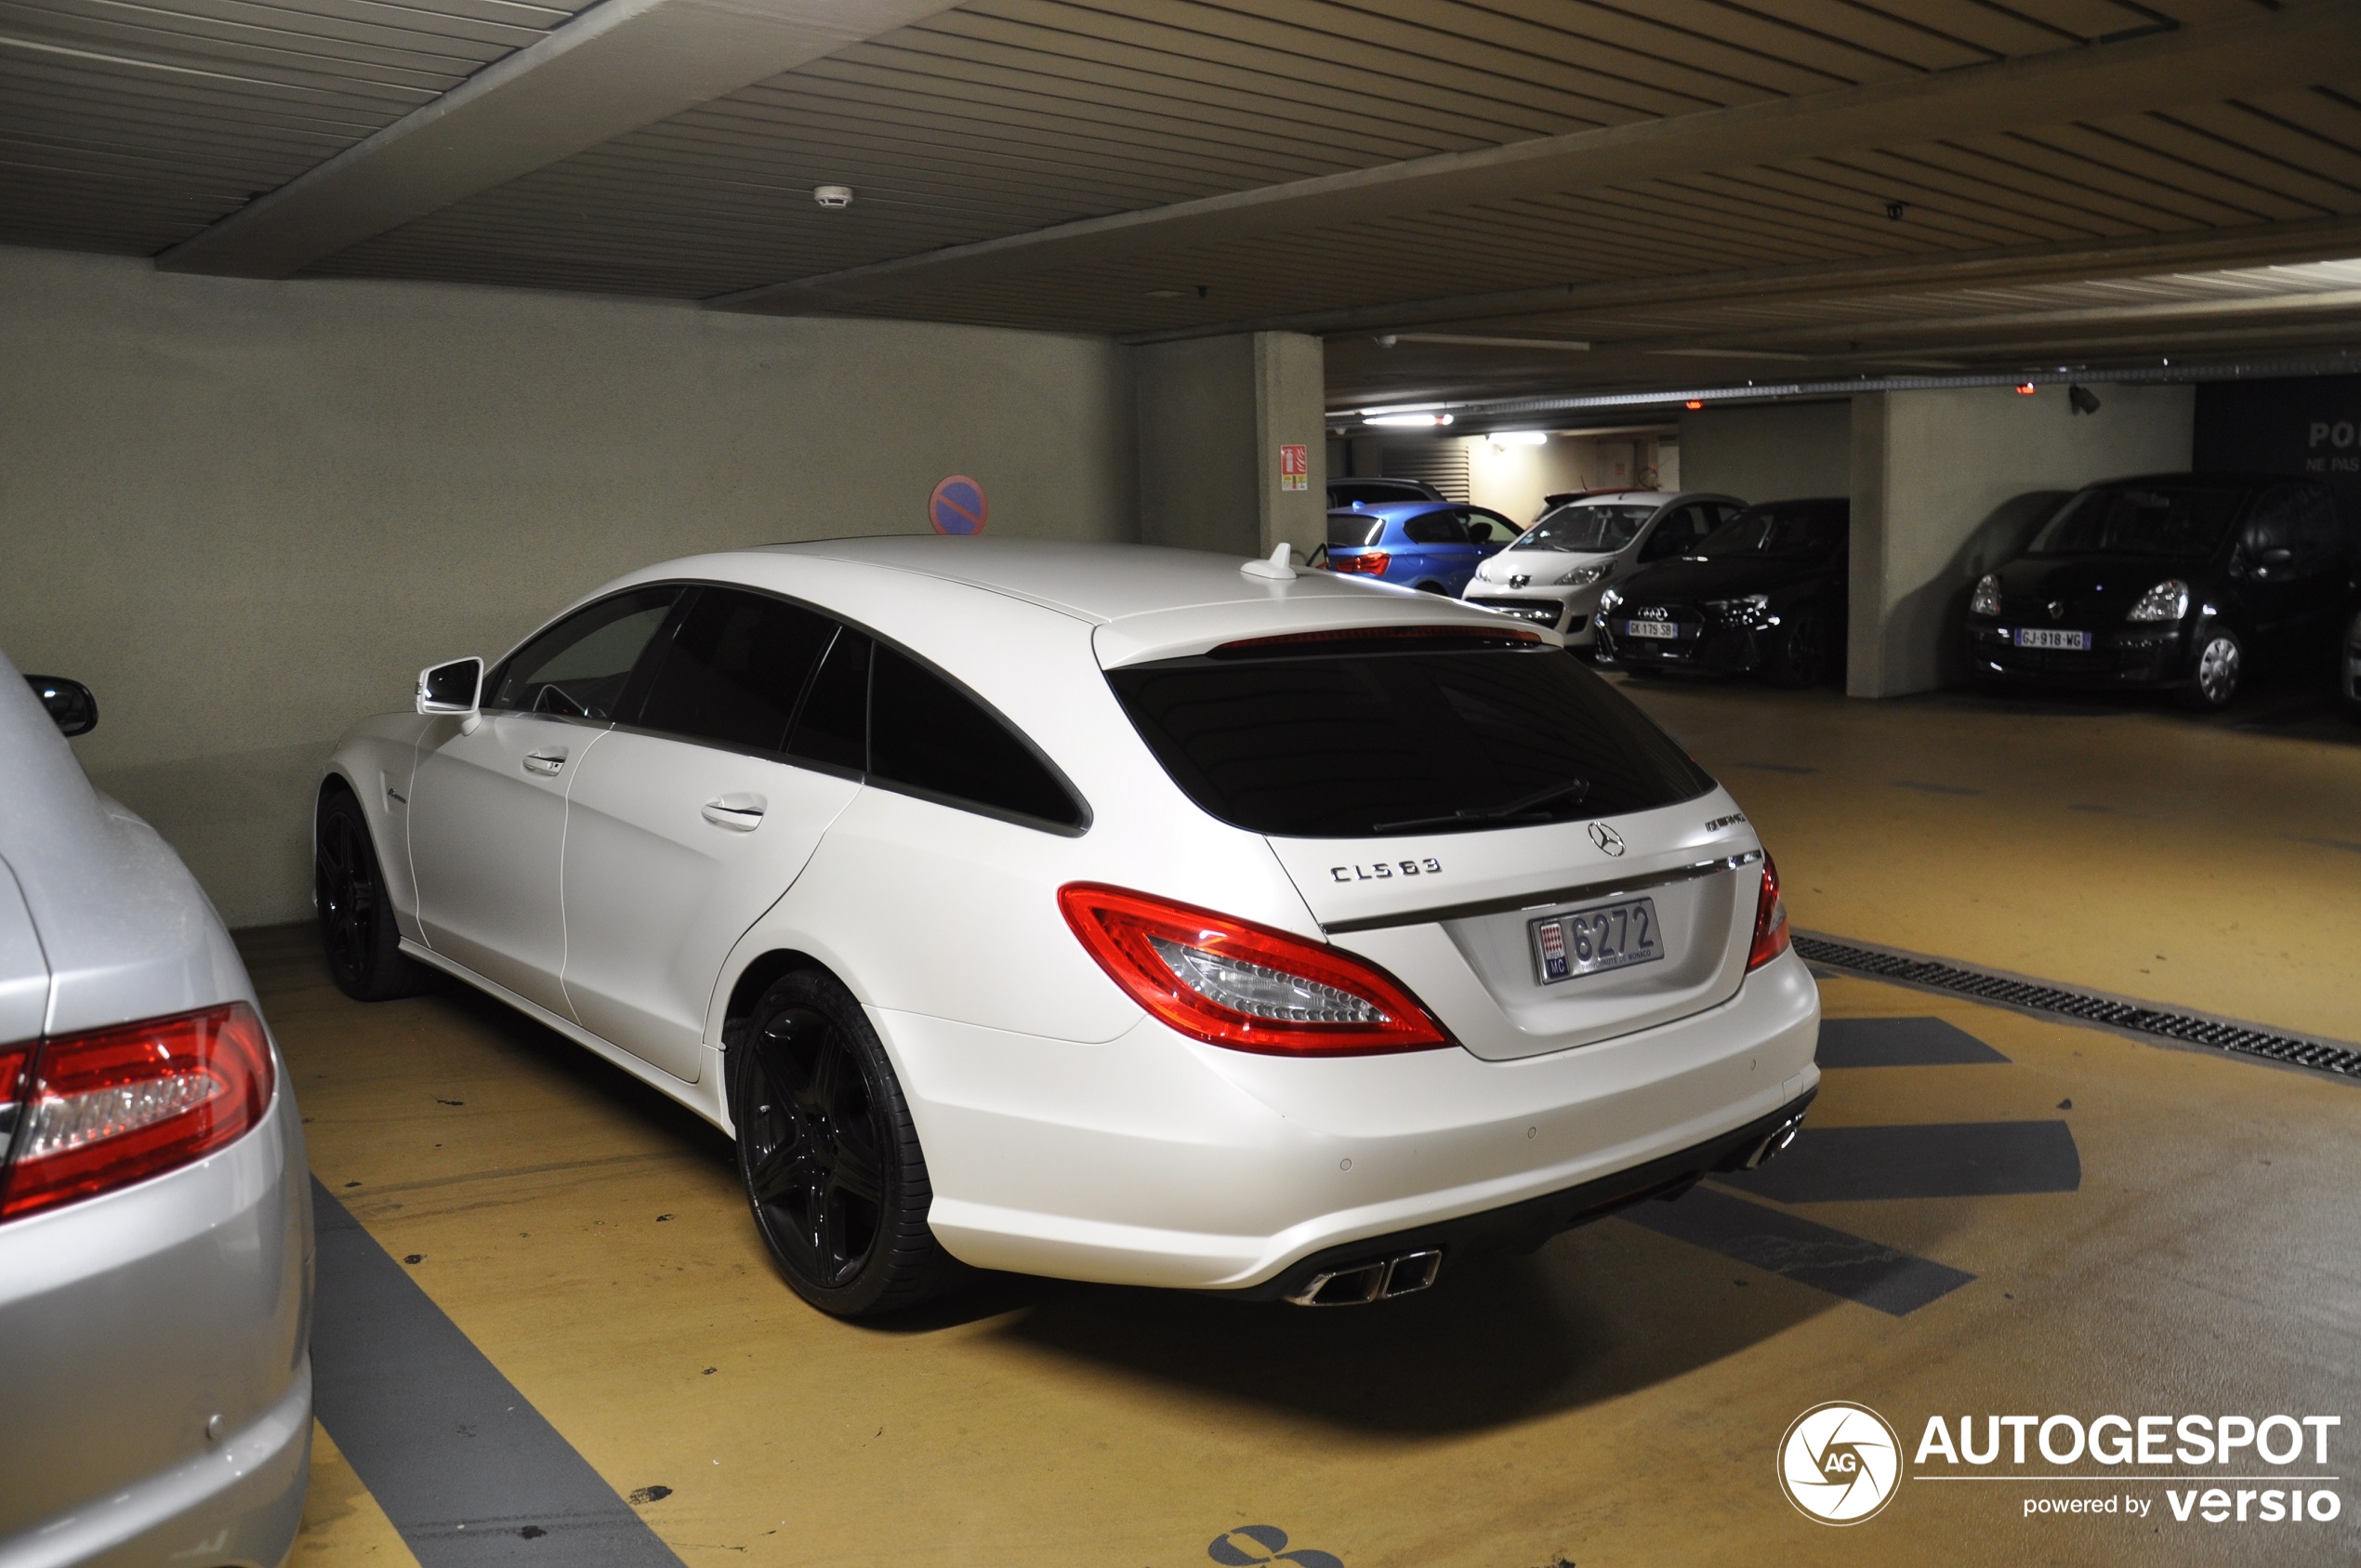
2166,581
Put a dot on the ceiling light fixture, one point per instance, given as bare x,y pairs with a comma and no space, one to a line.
1520,438
1168,294
836,198
1406,421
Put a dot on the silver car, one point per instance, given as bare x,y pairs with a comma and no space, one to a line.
155,1212
1554,572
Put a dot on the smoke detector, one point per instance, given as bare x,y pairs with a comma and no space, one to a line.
833,197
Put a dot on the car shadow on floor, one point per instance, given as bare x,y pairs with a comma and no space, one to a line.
1597,1315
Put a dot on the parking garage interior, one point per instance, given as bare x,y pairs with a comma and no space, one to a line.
345,338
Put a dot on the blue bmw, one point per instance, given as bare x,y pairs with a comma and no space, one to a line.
1429,544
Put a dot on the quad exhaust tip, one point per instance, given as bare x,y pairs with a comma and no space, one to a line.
1380,1279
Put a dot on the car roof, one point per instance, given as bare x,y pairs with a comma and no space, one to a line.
1147,600
1391,509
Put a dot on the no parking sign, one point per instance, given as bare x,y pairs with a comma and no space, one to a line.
957,505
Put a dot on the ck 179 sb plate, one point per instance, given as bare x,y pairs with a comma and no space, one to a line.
1589,941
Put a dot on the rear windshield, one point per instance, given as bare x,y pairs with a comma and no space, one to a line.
1349,530
1770,528
1580,527
1335,745
2174,520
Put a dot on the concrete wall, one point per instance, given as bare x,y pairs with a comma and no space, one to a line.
1197,433
1775,452
1948,484
1213,413
246,513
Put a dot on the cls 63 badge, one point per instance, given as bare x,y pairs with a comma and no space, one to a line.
1380,870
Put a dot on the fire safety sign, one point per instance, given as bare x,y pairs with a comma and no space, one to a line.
1295,468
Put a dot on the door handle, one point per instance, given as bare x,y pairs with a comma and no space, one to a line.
545,761
739,813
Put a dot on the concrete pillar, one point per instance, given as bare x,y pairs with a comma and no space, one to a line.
1215,414
1948,484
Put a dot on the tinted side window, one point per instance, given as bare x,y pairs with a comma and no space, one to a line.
580,665
734,667
1435,528
834,725
1676,533
929,735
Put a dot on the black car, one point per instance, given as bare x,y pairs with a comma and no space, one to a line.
1764,593
2166,581
1368,491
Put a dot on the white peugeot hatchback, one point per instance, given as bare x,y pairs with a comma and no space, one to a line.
1094,911
1553,572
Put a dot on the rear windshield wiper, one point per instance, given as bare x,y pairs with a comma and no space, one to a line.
1522,806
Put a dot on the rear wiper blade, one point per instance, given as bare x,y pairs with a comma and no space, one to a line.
1522,806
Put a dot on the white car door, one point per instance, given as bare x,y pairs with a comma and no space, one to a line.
685,825
488,806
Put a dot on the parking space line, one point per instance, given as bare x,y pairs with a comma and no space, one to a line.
1945,1160
465,1467
1871,1273
1899,1042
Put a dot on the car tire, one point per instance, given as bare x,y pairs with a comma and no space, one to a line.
1803,655
357,931
2220,664
829,1155
1434,588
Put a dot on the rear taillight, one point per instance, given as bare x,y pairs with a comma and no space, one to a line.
1770,920
1234,983
1372,562
106,1109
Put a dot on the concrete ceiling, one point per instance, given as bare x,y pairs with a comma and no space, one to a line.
1700,190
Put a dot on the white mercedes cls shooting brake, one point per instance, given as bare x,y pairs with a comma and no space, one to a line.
1102,912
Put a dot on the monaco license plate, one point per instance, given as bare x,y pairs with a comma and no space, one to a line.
1612,936
1662,629
2045,637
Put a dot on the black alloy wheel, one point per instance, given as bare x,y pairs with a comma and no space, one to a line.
356,923
829,1155
1805,655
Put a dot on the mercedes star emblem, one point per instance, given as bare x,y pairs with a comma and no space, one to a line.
1607,838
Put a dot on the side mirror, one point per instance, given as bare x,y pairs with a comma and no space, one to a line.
456,687
70,706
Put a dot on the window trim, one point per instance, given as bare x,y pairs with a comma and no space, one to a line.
861,775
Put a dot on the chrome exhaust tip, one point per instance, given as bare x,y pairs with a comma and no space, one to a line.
1774,1144
1380,1279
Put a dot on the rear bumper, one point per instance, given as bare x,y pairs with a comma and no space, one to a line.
127,1323
1155,1160
1523,1226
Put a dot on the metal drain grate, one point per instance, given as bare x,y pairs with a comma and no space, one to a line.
2087,1007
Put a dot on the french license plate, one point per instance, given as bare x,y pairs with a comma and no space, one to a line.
1613,936
2044,637
1662,630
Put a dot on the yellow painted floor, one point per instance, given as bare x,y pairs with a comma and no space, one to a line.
1614,1399
2129,848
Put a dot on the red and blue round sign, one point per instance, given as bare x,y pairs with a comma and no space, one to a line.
957,505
